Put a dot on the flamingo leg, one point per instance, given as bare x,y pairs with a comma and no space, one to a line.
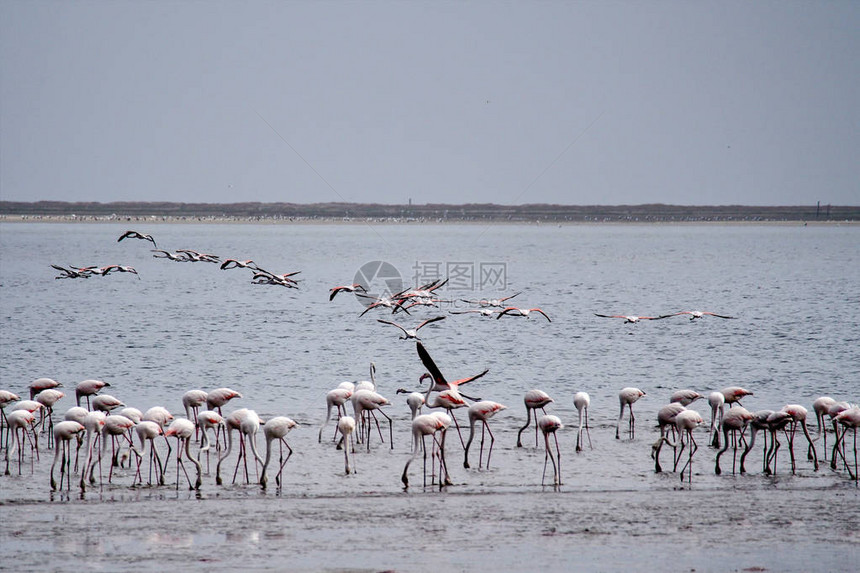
528,421
492,442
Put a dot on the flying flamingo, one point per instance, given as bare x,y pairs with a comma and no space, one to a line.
493,302
685,397
581,401
487,312
717,401
514,311
666,422
534,400
632,319
335,398
105,271
627,397
345,288
412,333
550,424
40,384
136,235
422,426
236,264
439,381
147,431
276,429
346,426
483,411
63,434
686,422
183,430
694,314
736,420
88,388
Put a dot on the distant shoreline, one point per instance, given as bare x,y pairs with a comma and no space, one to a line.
160,220
292,213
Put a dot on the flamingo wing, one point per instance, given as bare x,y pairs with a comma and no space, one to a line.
430,365
471,378
541,312
718,315
393,324
374,305
610,315
428,321
506,311
510,297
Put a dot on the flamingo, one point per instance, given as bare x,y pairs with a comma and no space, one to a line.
717,402
627,397
30,406
422,426
79,415
217,398
415,401
195,257
191,401
581,401
736,420
114,426
686,422
40,384
483,411
236,264
534,400
821,406
798,416
412,333
183,430
205,420
665,420
48,398
63,434
136,235
161,416
276,429
178,257
6,397
487,312
550,424
493,302
335,398
833,412
758,423
94,422
88,388
147,431
734,395
345,288
105,271
70,273
685,397
694,314
439,381
369,401
449,400
363,384
775,421
395,304
106,403
231,422
514,311
849,419
346,426
19,420
249,425
632,319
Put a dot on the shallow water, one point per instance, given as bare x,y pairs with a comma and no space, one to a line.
191,325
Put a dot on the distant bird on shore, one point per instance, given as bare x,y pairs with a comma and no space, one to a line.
136,235
632,319
514,311
412,333
694,314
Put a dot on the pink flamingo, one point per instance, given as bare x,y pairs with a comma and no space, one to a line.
525,312
88,388
345,288
848,419
581,401
717,401
483,411
686,422
757,423
40,384
183,430
422,426
666,421
694,314
335,398
534,400
191,401
148,431
63,434
439,382
205,420
106,403
276,429
630,318
369,401
20,420
550,424
627,397
48,398
346,426
411,333
685,397
415,401
821,406
736,420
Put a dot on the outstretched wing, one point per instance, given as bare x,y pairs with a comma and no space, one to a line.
717,315
467,380
430,365
610,315
510,297
541,312
428,321
392,324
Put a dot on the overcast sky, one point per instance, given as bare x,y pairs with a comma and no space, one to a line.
454,102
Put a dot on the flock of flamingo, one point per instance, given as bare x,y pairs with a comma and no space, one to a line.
108,423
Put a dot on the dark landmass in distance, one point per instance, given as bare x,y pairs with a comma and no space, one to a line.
655,212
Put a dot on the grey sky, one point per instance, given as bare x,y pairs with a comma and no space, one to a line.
506,102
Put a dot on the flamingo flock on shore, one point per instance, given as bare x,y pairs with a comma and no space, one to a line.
108,423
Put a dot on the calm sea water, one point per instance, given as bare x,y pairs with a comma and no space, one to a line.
793,289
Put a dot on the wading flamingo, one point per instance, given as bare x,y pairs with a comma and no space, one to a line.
534,400
735,421
550,424
63,433
276,428
627,397
483,411
581,401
